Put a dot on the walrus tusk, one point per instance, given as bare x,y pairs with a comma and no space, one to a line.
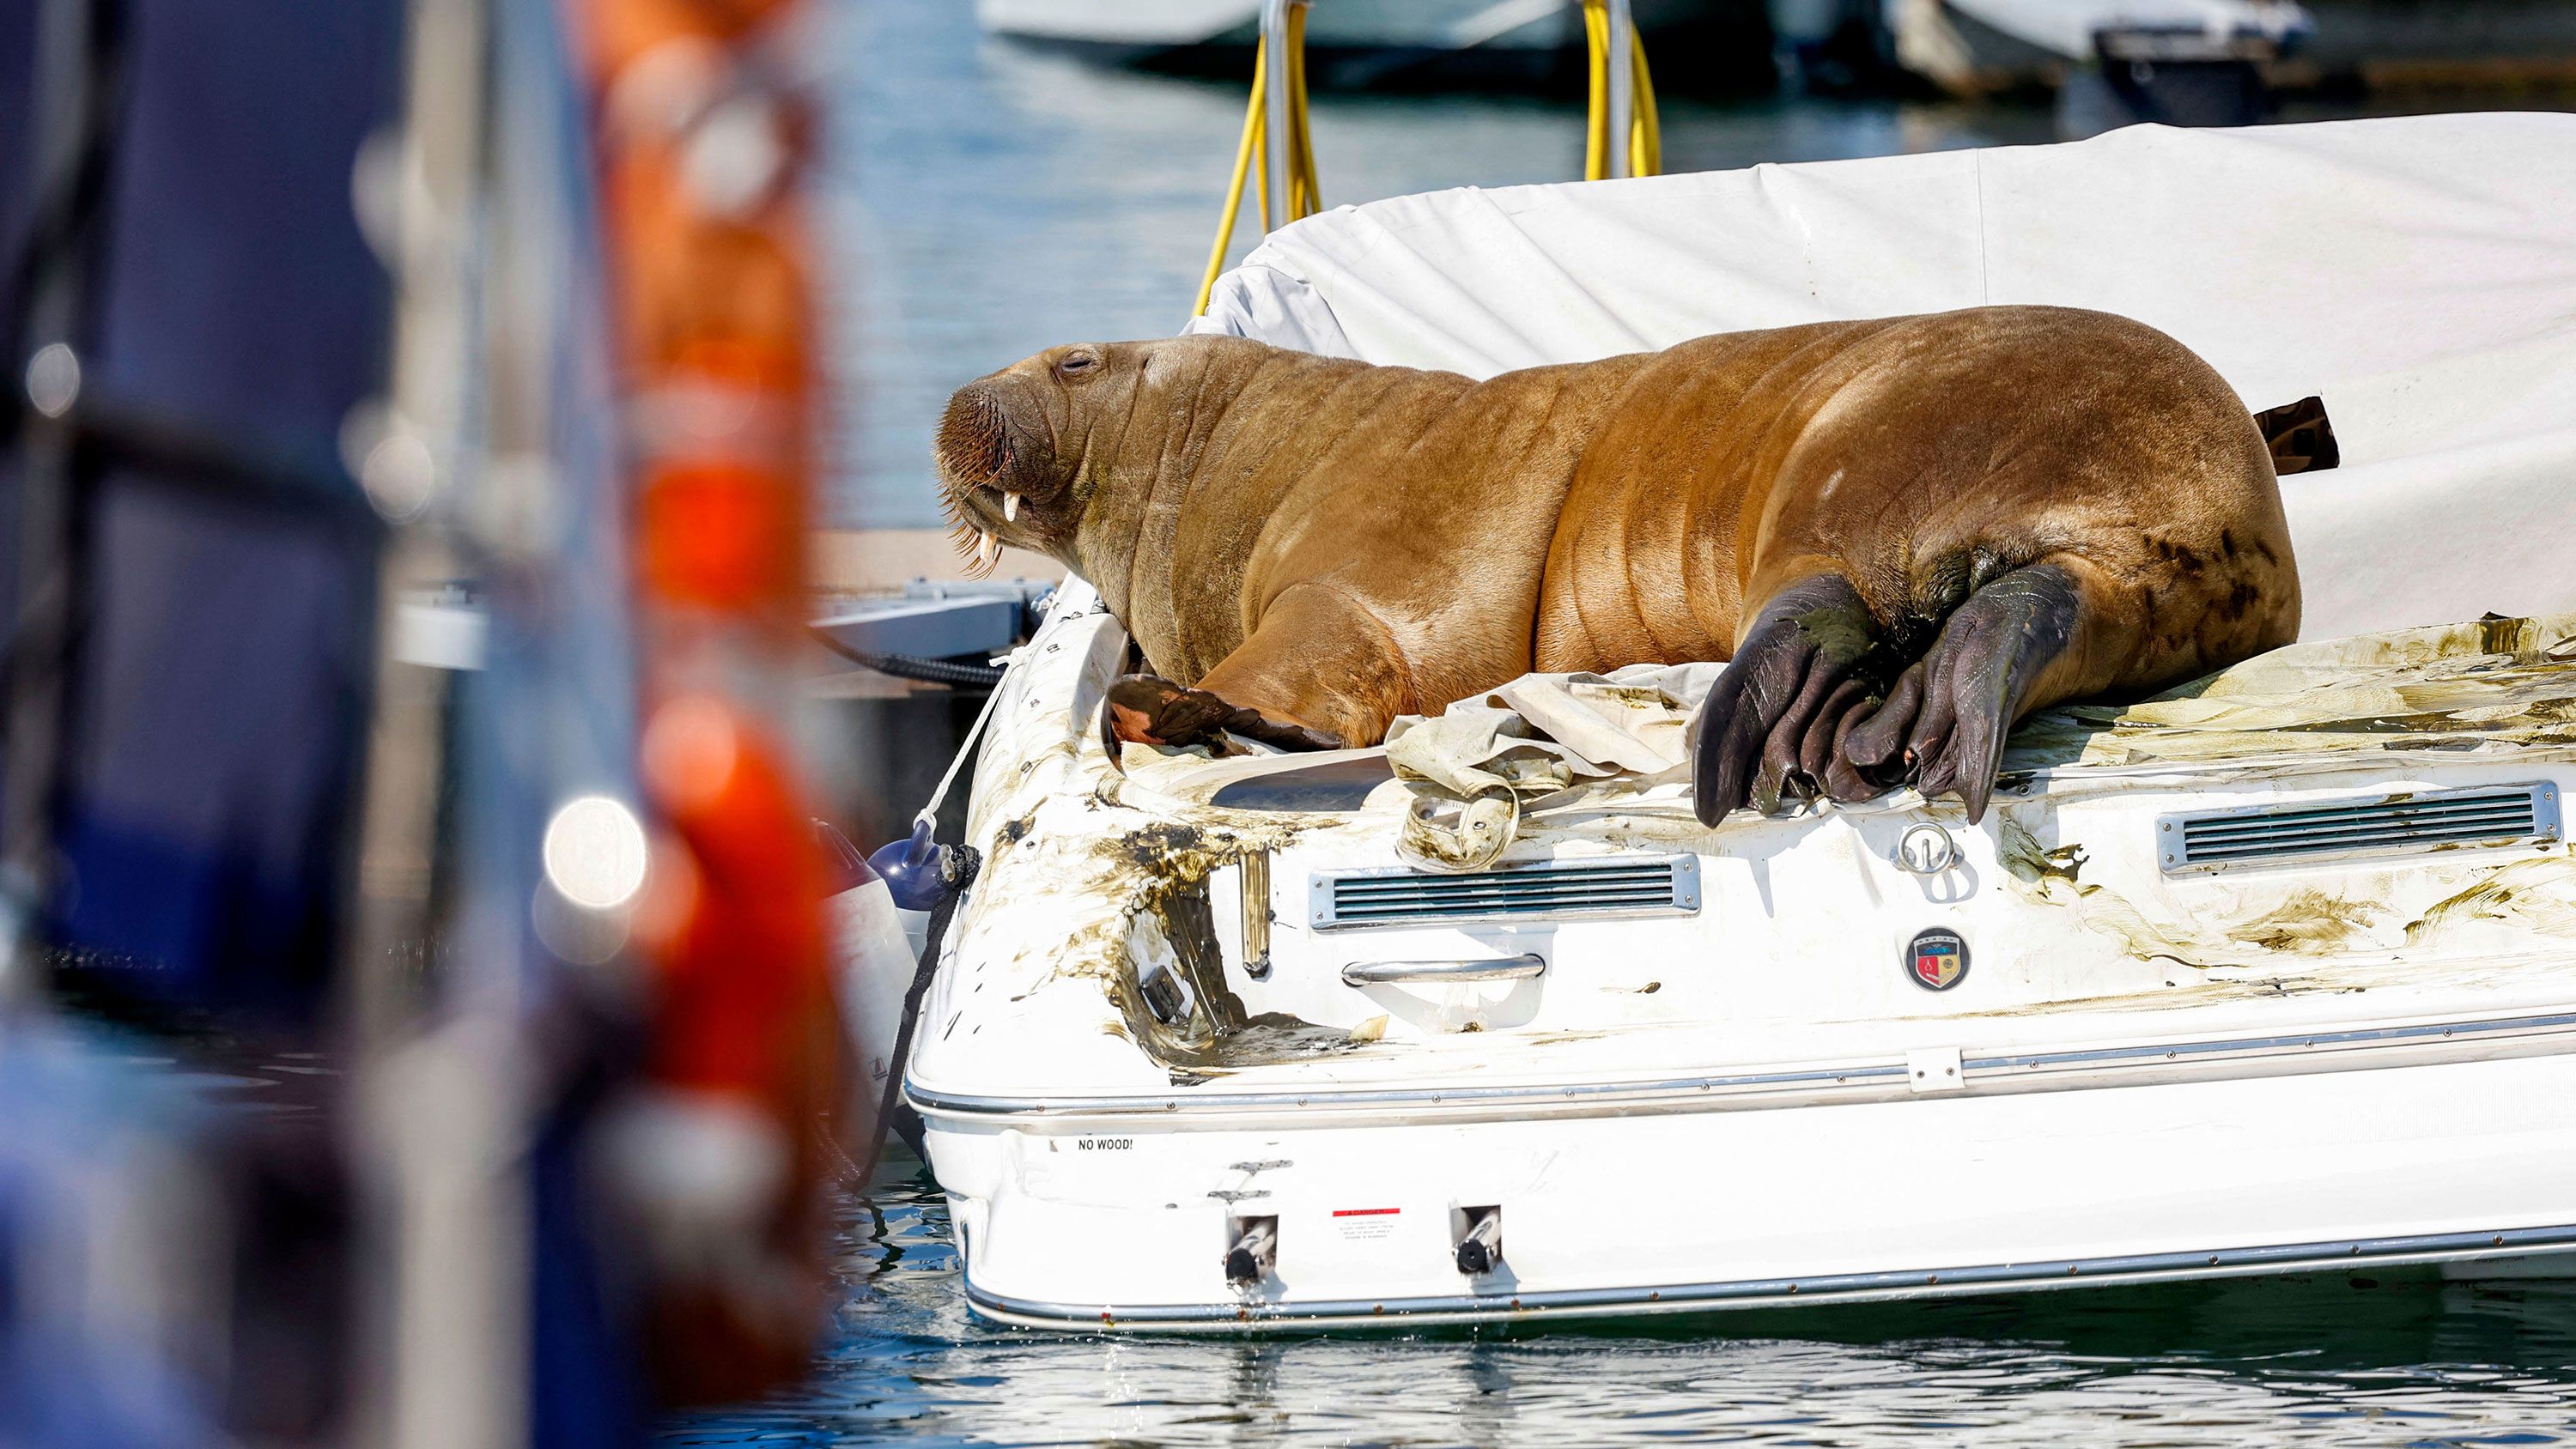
987,548
1010,508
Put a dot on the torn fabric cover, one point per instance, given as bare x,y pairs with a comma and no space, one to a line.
1546,732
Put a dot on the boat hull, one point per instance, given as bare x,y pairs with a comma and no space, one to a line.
1085,1216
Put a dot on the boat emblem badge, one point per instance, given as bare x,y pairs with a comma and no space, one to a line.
1937,959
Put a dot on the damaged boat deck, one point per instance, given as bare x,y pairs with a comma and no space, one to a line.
1133,866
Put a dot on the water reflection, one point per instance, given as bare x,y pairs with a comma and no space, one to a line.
2388,1359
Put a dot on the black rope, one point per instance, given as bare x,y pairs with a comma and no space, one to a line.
892,1097
913,666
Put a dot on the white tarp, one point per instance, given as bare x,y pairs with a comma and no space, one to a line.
2419,273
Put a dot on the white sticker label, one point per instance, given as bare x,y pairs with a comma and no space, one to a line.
1365,1225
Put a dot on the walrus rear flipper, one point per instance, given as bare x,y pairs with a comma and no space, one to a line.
1797,700
1785,681
1978,677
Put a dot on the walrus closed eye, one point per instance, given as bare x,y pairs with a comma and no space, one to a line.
1902,534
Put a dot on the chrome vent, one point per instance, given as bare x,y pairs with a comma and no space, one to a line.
2378,825
1617,886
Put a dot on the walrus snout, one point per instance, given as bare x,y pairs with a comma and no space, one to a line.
974,447
992,464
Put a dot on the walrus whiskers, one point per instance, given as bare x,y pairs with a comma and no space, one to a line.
974,450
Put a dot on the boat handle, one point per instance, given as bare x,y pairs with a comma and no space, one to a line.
1524,967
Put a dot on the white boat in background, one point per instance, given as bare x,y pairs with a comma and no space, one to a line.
2212,61
1173,24
1339,33
2112,62
2275,974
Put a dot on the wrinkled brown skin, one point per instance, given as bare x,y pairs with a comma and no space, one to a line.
1904,533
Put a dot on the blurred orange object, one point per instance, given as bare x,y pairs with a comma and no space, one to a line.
720,536
743,974
700,148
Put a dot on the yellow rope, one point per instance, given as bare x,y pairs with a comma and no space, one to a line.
1596,115
1234,192
1646,156
1304,198
1645,141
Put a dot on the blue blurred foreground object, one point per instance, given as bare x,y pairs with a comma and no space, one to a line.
395,1046
198,567
191,316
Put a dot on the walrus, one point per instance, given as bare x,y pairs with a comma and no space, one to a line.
1902,534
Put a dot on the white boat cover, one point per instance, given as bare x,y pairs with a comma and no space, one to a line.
2418,273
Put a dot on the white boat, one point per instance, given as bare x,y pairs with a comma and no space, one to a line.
1335,31
2111,62
2274,975
1975,47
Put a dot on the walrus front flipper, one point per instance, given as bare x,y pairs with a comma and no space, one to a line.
1973,684
1785,678
1147,709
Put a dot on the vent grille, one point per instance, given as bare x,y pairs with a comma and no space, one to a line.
1619,886
2380,825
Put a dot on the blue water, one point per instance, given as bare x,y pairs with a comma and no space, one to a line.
2376,1360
